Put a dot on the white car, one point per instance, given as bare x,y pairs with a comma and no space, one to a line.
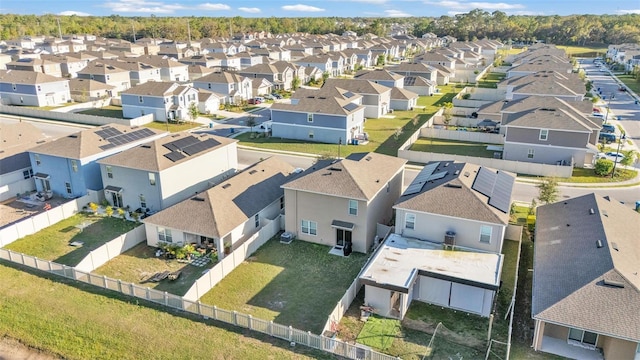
615,156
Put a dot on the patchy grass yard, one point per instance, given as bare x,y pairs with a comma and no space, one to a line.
631,82
140,262
107,111
588,176
53,243
378,332
381,131
583,51
491,80
452,147
297,284
79,321
171,127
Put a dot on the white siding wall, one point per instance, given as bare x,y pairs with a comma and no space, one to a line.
378,298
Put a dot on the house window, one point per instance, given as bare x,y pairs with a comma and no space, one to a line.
353,207
310,118
530,154
209,86
410,221
39,88
36,157
282,203
310,134
68,187
140,99
152,179
74,165
485,234
109,172
143,201
14,87
164,235
583,337
108,78
544,135
256,219
27,174
309,227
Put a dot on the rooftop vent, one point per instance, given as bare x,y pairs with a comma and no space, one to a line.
226,185
613,283
466,174
146,146
591,212
446,164
335,169
599,244
614,246
253,172
455,186
457,172
368,158
73,136
197,198
40,142
175,136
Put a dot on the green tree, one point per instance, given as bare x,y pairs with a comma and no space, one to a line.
629,158
109,211
380,61
193,111
295,83
603,167
548,190
448,108
251,122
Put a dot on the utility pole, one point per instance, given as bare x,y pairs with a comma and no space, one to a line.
59,29
339,143
189,32
133,28
615,161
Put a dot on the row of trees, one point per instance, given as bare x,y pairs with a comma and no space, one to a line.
573,29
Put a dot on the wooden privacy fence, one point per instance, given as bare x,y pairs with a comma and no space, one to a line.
288,333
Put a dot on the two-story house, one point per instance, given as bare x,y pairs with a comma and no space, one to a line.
36,65
163,172
139,72
33,88
68,166
376,98
108,74
170,68
165,100
83,90
382,77
281,79
236,88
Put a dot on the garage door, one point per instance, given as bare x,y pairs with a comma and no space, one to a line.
467,298
435,291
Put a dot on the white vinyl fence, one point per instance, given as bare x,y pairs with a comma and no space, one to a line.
288,333
17,187
471,136
74,118
111,249
207,281
33,224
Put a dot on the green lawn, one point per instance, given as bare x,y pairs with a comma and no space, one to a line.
52,243
297,284
107,111
171,127
378,332
631,82
519,216
138,263
78,321
583,51
452,147
381,131
588,176
491,80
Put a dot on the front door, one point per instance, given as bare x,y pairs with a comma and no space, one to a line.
46,186
343,238
116,199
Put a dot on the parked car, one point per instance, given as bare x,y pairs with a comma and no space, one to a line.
607,138
254,101
608,128
269,97
259,98
616,156
276,95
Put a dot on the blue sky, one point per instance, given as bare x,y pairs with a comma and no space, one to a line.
300,8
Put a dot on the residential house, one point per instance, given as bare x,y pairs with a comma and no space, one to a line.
408,69
338,203
236,88
170,68
203,60
420,85
69,65
375,98
227,214
108,74
586,297
209,102
165,100
33,88
541,63
36,65
544,83
198,71
139,72
165,171
322,62
449,206
67,166
248,59
261,86
330,115
281,79
83,90
382,77
403,99
16,174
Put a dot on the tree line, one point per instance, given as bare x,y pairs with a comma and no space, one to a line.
476,24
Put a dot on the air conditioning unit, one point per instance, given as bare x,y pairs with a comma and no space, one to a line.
449,239
286,238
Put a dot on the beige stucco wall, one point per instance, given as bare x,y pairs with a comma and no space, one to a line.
556,331
617,348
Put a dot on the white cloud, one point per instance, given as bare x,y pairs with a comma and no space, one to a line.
214,7
632,11
252,10
379,2
461,6
72,12
396,13
142,6
301,7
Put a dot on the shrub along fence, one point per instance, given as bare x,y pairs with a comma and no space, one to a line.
288,333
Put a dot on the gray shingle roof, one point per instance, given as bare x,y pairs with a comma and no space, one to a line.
15,140
229,204
357,86
547,118
569,268
402,94
359,176
152,88
459,200
27,77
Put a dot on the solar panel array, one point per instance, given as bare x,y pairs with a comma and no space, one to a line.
496,186
181,143
200,147
409,81
421,179
188,146
438,176
350,107
174,156
117,138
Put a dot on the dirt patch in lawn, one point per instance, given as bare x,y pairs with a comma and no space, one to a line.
11,349
451,336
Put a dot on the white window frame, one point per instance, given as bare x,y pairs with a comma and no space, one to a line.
152,179
109,170
310,134
164,235
36,157
141,99
27,174
544,135
486,232
353,207
309,227
410,221
143,201
256,220
74,165
581,341
530,153
67,186
309,117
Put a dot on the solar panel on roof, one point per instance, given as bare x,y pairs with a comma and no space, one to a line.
181,143
421,179
108,132
107,146
350,107
409,81
501,195
200,146
438,176
484,182
125,138
174,156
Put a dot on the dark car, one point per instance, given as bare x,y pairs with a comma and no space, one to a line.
608,128
276,95
607,138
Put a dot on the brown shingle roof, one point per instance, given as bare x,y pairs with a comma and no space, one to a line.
27,77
